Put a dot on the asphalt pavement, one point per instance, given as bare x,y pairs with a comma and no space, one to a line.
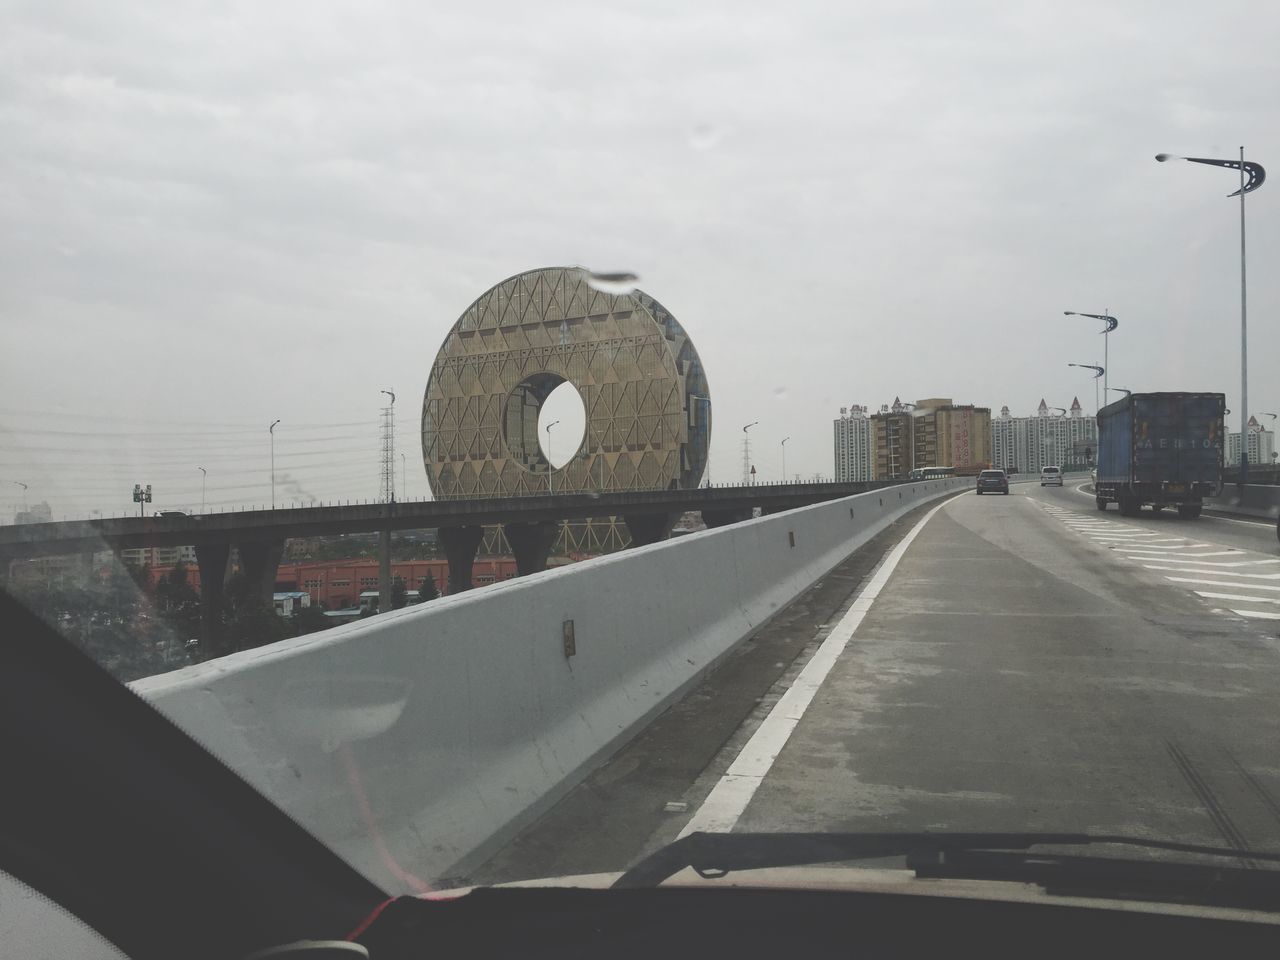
1020,662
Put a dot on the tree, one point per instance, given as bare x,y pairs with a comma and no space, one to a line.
110,620
399,595
255,624
178,603
427,589
310,620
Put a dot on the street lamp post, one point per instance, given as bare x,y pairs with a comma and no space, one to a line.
550,467
746,452
404,476
204,479
784,458
1098,372
1256,176
1109,323
272,430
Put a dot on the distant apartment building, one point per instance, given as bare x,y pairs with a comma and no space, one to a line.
892,439
853,460
159,556
1261,446
954,435
1027,444
935,432
38,513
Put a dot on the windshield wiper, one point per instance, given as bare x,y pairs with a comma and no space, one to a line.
986,856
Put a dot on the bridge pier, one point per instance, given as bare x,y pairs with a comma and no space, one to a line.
259,562
212,559
531,543
649,527
725,516
460,545
384,570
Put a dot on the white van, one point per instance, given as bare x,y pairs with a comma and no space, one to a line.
1051,475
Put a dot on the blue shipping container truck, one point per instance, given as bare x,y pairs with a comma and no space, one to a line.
1164,449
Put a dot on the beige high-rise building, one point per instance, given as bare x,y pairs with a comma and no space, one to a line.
934,432
953,435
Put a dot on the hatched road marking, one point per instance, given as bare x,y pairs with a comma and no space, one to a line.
1184,562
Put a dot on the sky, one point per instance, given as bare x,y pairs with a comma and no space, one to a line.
220,215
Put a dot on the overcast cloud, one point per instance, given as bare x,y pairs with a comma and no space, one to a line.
217,215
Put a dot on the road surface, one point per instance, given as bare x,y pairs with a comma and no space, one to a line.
1020,662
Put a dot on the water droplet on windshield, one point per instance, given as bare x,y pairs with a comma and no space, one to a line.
779,393
618,284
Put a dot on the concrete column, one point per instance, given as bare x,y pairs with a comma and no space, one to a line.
384,570
260,561
213,560
460,545
531,543
725,516
649,527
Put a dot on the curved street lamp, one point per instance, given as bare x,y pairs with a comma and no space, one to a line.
1097,375
1109,323
1120,390
204,479
784,458
551,479
746,452
1256,175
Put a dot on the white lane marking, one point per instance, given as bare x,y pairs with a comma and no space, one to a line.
1236,597
1208,563
1247,523
1170,551
1257,614
1211,553
1147,544
1224,583
731,794
1110,535
1216,573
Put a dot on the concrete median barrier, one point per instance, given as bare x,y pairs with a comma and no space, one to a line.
1253,500
416,741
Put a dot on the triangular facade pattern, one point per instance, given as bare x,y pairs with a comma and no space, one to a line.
640,378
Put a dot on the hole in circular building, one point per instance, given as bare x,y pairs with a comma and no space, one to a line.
538,402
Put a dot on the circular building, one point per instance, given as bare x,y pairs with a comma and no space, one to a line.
648,410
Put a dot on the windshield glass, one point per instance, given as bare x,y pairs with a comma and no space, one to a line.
514,438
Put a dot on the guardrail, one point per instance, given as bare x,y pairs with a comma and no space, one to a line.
416,741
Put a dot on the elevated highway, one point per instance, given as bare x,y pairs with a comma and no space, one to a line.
530,525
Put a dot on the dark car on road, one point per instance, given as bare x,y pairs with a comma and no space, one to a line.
993,481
